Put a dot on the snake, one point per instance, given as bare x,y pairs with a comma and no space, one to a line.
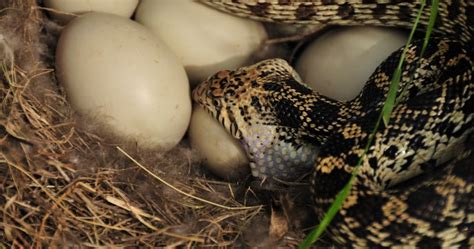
410,189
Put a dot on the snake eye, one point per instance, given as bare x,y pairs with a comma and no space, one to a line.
230,93
224,81
215,102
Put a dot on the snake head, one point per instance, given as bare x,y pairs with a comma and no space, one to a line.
248,103
217,95
242,98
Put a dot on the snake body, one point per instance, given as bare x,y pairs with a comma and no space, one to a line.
409,190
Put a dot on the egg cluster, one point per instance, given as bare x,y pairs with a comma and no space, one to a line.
131,64
133,76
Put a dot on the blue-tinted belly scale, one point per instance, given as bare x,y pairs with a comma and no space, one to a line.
273,157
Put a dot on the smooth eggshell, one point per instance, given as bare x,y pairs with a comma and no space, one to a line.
204,39
339,62
222,153
116,69
123,8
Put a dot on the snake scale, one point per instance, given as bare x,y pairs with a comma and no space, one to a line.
408,190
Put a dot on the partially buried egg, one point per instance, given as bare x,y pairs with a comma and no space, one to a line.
117,70
222,153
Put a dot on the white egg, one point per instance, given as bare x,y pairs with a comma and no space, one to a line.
116,69
222,153
338,63
123,8
204,39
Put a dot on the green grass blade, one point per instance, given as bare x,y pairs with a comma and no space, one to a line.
340,198
395,82
429,30
332,211
431,23
384,115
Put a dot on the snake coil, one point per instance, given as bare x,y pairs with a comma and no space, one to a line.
410,189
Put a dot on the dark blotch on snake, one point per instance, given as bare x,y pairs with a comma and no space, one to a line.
345,10
298,86
284,2
379,10
304,12
272,86
391,152
260,9
287,113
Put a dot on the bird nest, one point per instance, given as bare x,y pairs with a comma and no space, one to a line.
63,184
